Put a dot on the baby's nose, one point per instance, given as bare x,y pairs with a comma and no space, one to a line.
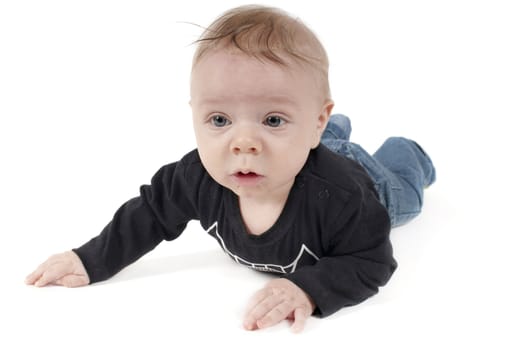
246,142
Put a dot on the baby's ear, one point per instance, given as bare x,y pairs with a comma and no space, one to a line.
322,120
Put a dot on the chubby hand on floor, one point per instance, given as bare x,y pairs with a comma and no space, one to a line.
279,300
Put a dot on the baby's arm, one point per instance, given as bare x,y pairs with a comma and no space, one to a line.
280,299
358,260
160,212
65,269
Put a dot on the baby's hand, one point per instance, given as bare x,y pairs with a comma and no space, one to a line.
280,299
64,269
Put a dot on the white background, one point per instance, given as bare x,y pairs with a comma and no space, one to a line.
93,100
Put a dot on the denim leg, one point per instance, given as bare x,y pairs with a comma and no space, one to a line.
337,133
400,170
408,170
338,128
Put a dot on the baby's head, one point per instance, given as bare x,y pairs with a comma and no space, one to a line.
268,34
260,99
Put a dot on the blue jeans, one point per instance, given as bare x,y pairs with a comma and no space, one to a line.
400,169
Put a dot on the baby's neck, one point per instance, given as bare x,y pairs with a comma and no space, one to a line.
259,216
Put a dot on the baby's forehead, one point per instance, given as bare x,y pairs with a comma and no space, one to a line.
221,68
226,61
231,56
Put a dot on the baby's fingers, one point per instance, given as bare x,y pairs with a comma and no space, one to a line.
266,314
33,277
49,276
256,299
300,317
259,305
275,315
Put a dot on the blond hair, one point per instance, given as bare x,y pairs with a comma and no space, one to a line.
268,34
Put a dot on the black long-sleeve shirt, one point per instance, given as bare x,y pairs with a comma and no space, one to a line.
331,239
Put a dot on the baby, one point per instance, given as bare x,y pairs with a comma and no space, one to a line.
274,179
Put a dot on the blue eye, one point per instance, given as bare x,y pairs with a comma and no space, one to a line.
219,121
274,121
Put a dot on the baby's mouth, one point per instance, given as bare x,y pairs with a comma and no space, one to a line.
249,178
249,174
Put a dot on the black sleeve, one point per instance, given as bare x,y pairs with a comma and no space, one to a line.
161,212
359,261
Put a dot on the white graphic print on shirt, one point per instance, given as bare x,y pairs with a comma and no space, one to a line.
305,256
